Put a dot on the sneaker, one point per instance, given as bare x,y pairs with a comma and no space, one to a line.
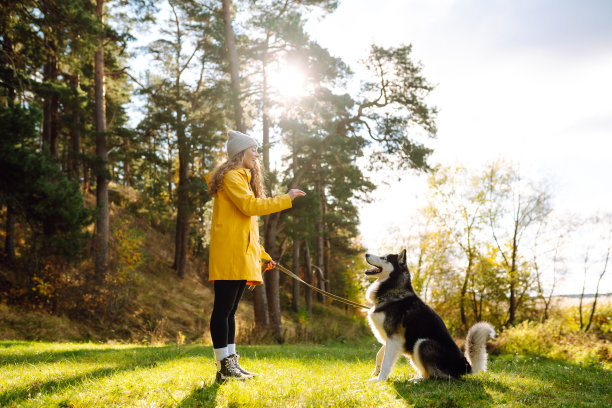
235,357
227,369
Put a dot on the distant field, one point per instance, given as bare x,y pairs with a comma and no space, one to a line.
91,375
574,300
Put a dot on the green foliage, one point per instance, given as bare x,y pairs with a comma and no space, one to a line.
36,188
393,108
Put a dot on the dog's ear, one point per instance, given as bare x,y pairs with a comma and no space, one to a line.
401,258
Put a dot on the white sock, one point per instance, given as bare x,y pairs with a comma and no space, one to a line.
231,349
221,353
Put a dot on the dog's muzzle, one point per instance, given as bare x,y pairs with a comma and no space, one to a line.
373,271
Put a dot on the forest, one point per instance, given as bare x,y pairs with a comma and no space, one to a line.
122,107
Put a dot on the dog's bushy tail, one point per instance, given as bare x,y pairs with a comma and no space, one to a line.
476,345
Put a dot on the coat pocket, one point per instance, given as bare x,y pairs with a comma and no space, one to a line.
252,243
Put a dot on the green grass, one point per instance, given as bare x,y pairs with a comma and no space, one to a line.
34,374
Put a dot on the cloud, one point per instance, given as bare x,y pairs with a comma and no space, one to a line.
562,27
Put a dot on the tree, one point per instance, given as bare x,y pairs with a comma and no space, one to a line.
234,65
184,151
601,275
337,120
456,206
598,229
479,226
550,254
40,193
185,117
281,28
513,208
102,222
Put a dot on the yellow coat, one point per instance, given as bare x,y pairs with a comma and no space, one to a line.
235,252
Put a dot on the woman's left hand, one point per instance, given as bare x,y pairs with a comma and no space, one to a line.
294,192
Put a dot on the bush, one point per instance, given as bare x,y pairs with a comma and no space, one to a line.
559,338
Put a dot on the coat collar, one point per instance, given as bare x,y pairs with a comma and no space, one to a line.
247,173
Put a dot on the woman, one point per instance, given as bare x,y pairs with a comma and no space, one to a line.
235,252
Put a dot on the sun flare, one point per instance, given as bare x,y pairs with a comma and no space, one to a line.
289,81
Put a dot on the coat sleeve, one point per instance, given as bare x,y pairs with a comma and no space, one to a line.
237,189
264,255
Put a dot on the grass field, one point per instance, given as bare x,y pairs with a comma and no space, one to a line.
34,374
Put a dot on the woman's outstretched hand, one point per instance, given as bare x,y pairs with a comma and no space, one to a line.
294,192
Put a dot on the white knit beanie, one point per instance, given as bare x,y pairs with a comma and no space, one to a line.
238,142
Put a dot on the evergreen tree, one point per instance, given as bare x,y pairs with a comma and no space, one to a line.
191,116
38,191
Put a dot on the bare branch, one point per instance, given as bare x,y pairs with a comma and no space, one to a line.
124,71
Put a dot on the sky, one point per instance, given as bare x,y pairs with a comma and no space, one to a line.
528,81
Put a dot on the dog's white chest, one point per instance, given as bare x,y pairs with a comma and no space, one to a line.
371,292
377,320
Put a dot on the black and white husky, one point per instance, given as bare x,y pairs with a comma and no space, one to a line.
404,324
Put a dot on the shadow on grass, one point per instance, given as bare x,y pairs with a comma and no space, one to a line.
306,353
203,396
142,353
19,394
163,353
521,380
126,358
555,382
443,393
122,359
7,344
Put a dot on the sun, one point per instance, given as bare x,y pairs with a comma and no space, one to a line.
289,81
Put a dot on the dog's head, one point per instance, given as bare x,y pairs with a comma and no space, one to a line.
383,266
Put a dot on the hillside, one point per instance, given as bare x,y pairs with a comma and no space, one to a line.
163,308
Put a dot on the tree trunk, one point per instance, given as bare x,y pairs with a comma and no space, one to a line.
126,163
86,170
321,243
183,207
586,261
601,275
102,222
308,277
272,279
75,135
169,173
468,272
296,242
295,303
513,279
9,240
51,103
183,213
264,109
328,264
260,305
232,53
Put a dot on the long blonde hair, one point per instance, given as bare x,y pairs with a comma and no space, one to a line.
235,162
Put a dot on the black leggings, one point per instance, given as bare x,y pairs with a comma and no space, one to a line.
222,322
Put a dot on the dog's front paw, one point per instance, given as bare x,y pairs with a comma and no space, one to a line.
373,379
375,372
